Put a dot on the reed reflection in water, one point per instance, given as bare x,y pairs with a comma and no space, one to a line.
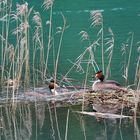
40,121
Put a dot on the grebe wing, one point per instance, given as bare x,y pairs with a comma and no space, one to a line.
107,84
112,82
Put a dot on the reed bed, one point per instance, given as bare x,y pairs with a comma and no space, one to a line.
24,62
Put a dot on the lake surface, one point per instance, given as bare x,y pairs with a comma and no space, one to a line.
41,121
36,121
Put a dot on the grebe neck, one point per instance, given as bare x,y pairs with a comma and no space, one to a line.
97,81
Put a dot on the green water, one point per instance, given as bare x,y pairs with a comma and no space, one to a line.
122,16
37,122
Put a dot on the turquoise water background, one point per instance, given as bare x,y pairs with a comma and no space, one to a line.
121,16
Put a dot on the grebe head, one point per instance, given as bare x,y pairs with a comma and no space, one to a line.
53,85
99,75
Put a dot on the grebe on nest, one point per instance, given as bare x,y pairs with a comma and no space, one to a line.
102,85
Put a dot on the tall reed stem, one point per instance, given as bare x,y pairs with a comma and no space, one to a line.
67,124
102,38
59,47
49,40
129,57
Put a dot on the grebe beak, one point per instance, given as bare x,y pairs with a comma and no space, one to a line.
96,75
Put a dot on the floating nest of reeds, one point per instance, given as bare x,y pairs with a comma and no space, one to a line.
103,102
115,102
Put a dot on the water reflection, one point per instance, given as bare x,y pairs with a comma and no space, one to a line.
41,121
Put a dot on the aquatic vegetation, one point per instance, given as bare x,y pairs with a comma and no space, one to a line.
127,52
18,63
137,73
25,64
97,20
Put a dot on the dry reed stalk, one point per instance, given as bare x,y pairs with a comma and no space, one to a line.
67,124
62,29
136,130
83,127
122,107
20,17
105,130
127,60
33,67
8,116
40,114
130,51
38,44
97,20
2,43
109,50
137,73
26,35
48,4
5,31
57,125
85,83
121,135
52,124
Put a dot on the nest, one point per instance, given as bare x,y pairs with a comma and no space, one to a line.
115,102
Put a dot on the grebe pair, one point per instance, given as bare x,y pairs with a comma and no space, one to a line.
98,85
102,85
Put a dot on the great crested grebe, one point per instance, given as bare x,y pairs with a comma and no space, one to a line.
101,84
56,89
53,86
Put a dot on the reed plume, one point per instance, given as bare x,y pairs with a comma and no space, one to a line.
97,21
38,46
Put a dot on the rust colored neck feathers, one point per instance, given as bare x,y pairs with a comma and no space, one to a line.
100,75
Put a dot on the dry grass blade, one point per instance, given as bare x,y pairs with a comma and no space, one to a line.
48,4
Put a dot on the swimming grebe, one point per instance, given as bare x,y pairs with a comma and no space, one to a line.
56,89
101,84
53,86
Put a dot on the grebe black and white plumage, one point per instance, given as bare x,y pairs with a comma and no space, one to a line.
102,85
56,89
53,87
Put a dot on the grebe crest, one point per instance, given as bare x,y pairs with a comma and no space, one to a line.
99,75
102,84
